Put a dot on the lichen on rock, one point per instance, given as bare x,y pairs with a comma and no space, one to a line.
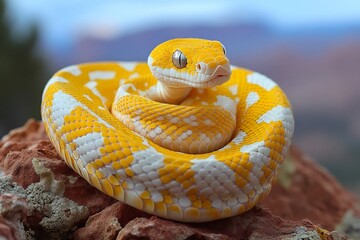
350,225
304,233
46,197
13,211
8,186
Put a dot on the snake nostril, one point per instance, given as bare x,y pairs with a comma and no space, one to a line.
201,67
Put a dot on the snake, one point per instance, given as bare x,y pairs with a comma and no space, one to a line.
184,136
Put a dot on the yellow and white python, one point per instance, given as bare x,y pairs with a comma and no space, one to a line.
187,137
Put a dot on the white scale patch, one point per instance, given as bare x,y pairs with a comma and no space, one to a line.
259,153
74,70
232,67
251,99
283,114
122,91
145,165
87,97
108,170
185,135
252,147
227,146
150,61
217,181
160,118
101,75
273,115
208,122
261,80
134,75
62,106
89,144
259,156
227,103
239,137
191,120
88,147
234,89
53,80
288,123
128,66
92,87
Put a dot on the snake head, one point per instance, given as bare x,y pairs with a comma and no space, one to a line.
190,62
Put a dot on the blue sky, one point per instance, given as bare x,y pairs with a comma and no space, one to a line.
65,20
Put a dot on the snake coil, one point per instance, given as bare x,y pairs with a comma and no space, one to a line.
187,141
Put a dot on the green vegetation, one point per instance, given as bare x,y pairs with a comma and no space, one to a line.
21,75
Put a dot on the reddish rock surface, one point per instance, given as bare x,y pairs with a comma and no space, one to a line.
21,146
60,201
107,223
254,224
306,190
13,211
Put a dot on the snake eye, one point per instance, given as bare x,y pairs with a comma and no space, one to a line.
224,49
179,59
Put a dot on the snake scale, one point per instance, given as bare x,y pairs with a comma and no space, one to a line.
186,137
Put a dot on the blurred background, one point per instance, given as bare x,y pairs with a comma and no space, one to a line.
310,47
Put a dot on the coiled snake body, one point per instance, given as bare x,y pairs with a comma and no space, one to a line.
166,137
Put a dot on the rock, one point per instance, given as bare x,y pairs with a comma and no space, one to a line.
12,211
50,214
107,223
126,222
16,160
257,223
306,190
63,205
58,198
57,214
350,224
254,224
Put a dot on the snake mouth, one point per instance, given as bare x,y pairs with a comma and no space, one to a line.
199,80
214,81
219,76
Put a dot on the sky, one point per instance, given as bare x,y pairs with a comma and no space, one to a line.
62,21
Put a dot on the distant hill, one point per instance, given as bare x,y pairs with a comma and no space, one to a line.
246,41
302,61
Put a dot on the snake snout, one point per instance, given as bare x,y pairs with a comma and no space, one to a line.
203,68
213,76
221,70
